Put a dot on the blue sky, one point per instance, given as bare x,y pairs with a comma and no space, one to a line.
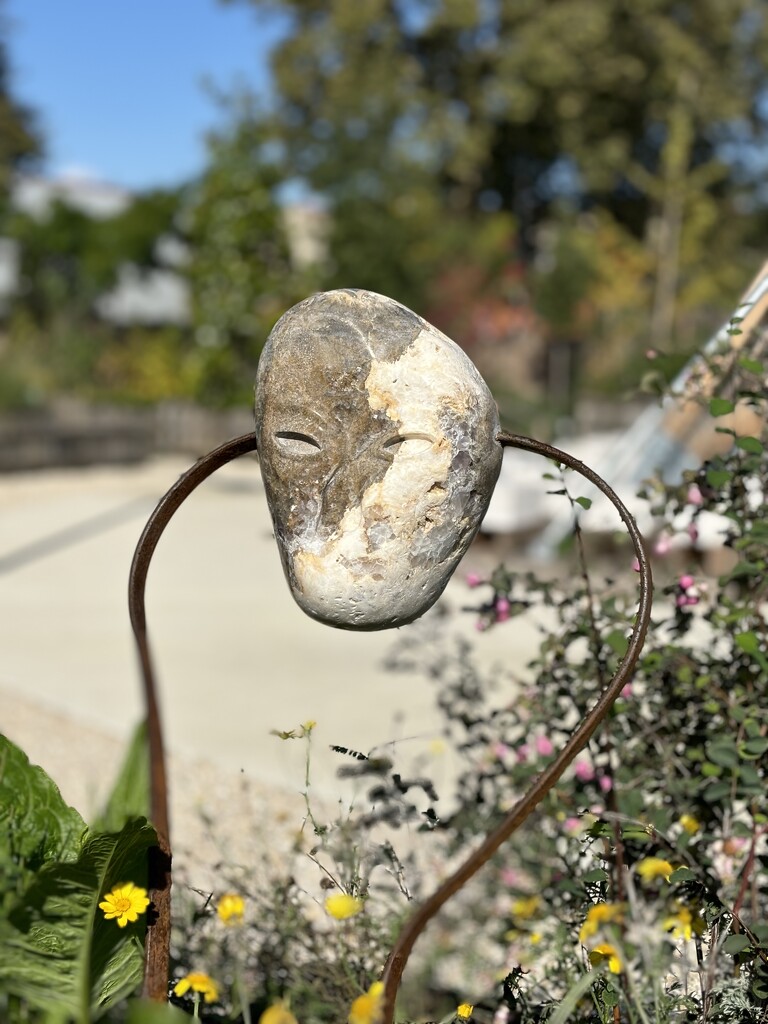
119,84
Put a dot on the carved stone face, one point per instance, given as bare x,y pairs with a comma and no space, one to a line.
378,450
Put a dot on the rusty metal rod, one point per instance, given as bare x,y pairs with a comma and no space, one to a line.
157,948
158,934
416,924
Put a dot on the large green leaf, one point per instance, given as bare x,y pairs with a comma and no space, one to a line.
60,955
130,794
142,1012
36,825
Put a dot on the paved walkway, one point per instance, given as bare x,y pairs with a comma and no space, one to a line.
236,657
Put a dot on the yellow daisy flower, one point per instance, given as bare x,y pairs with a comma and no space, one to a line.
366,1009
683,924
691,824
606,952
600,914
198,982
651,868
464,1012
525,907
341,905
231,908
124,903
277,1013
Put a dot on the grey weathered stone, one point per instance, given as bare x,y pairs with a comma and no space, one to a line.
377,442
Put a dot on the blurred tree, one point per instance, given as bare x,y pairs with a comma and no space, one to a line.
20,139
407,113
240,271
54,341
67,258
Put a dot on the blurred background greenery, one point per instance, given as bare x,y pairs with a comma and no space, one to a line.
560,186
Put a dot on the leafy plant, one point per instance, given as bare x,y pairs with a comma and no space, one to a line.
61,958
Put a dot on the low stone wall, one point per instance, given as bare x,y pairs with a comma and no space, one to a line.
71,434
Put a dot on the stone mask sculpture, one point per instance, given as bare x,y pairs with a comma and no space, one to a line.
378,445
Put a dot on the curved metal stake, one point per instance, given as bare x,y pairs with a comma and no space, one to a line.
416,924
157,949
156,957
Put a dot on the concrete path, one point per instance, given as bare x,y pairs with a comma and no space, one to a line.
236,658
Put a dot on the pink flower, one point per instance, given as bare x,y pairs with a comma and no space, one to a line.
522,753
627,691
573,826
651,353
500,750
474,579
481,625
686,581
693,532
636,564
510,877
684,600
583,771
502,609
694,496
606,783
544,746
734,844
663,545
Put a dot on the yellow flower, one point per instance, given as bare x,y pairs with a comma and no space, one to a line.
198,982
605,951
464,1012
124,903
652,868
691,824
341,905
231,908
683,923
525,907
277,1013
366,1009
535,938
600,914
308,726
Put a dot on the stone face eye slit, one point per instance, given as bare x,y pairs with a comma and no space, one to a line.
421,442
296,443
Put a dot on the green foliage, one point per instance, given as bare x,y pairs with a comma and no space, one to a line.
239,272
415,122
20,141
61,957
68,257
155,1013
36,826
129,797
59,953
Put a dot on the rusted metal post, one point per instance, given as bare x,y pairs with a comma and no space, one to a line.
157,949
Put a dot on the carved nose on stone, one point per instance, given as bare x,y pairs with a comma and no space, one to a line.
347,482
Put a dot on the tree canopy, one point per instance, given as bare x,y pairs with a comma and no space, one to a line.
20,140
637,122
